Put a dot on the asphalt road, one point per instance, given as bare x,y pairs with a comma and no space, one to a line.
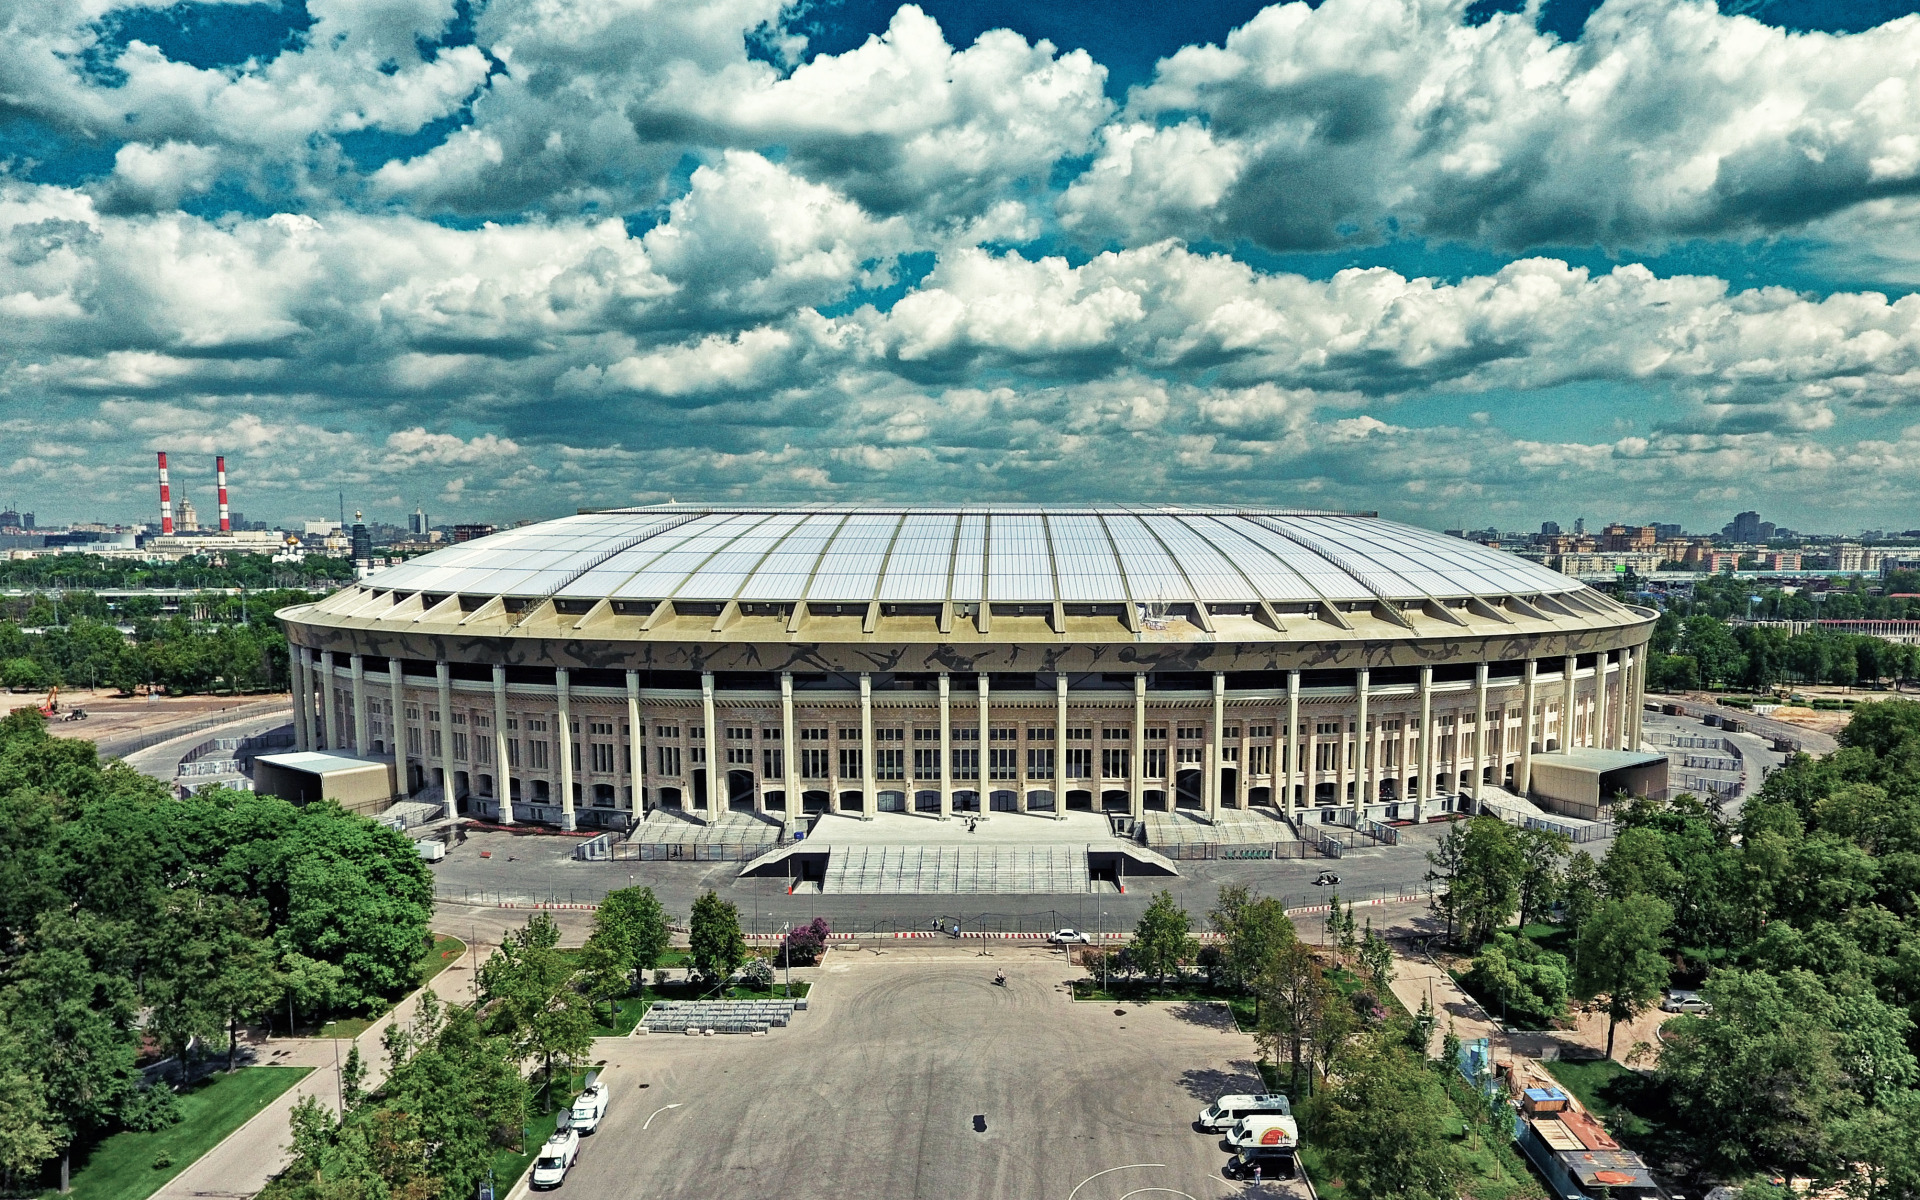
527,867
912,1075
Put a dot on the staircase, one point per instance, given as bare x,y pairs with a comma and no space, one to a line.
956,870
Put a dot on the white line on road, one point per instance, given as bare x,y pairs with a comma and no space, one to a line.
1169,1191
658,1111
1110,1170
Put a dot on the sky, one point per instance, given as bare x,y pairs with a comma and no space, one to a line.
1464,264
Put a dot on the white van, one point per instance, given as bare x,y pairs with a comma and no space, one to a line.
1224,1112
556,1156
1272,1132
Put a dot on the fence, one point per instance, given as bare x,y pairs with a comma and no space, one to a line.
1200,851
121,747
1714,787
412,815
1710,763
1325,843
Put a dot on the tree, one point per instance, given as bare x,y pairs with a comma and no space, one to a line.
1580,886
714,941
29,1135
1541,853
1524,980
1294,996
1376,957
806,943
606,973
524,994
1253,932
1485,886
1160,940
1382,1126
1619,957
633,919
1445,863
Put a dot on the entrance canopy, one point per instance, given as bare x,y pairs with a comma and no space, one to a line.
1574,783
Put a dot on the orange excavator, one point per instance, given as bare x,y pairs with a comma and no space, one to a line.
51,704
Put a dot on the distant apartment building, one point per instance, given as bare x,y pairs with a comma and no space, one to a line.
1780,560
1605,564
1848,557
1629,539
467,533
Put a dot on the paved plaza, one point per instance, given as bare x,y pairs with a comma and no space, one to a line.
912,1076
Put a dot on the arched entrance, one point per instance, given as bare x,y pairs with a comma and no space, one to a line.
814,802
1156,801
1186,790
966,802
1116,800
1004,801
670,798
852,801
892,801
926,802
1039,800
1323,793
1080,799
1260,798
740,791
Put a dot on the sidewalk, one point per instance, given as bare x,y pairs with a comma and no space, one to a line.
257,1151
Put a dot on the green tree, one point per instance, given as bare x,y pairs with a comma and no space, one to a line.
1293,995
606,974
1542,851
1376,958
1160,940
1253,931
29,1135
526,1000
1487,887
636,924
714,943
1382,1126
1521,979
1619,957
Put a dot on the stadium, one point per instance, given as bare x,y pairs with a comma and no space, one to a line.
1212,662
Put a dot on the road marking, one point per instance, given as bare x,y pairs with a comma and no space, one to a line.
1110,1170
658,1111
1169,1191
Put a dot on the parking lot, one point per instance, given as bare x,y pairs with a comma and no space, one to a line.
913,1075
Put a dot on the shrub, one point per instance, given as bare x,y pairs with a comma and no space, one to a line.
759,974
805,943
1530,983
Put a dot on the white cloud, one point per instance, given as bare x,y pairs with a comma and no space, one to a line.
1309,128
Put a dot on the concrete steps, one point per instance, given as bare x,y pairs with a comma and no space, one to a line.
884,870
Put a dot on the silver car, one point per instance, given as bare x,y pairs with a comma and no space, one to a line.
1679,1001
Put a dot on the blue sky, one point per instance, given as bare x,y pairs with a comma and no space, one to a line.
1460,263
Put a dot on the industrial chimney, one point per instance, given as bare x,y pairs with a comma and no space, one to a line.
220,475
166,499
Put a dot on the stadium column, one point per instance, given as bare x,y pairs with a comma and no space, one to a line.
636,743
1060,745
563,697
1637,696
986,755
1293,741
867,798
443,680
713,751
397,698
1523,778
1423,786
1597,726
301,696
946,746
1479,730
789,760
1569,699
328,711
1136,786
1215,732
502,782
1362,681
361,742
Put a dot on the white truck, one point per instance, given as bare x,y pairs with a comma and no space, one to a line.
1225,1112
556,1156
589,1106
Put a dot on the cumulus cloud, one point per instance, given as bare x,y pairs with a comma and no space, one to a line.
1315,127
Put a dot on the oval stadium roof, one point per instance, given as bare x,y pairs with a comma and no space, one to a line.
970,554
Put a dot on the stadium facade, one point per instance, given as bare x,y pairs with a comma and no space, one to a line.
946,661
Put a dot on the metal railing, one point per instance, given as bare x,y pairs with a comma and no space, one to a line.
121,747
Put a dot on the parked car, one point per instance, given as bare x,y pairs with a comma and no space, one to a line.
556,1156
1325,878
1680,1000
1227,1111
590,1106
1273,1162
1276,1131
1069,937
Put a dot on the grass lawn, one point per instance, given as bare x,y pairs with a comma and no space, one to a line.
124,1167
445,952
1632,1105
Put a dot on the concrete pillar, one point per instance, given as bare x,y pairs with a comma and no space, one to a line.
329,711
1423,784
397,693
563,695
443,683
1479,730
1636,694
986,754
789,750
301,693
362,743
636,744
1362,685
946,746
1597,727
1060,746
1137,786
502,781
1523,778
1293,739
716,782
867,798
1210,784
1569,705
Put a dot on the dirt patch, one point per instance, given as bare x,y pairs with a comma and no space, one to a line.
1829,722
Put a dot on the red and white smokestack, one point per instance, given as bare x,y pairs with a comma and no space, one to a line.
166,498
220,474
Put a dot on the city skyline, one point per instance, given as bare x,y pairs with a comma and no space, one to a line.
954,252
